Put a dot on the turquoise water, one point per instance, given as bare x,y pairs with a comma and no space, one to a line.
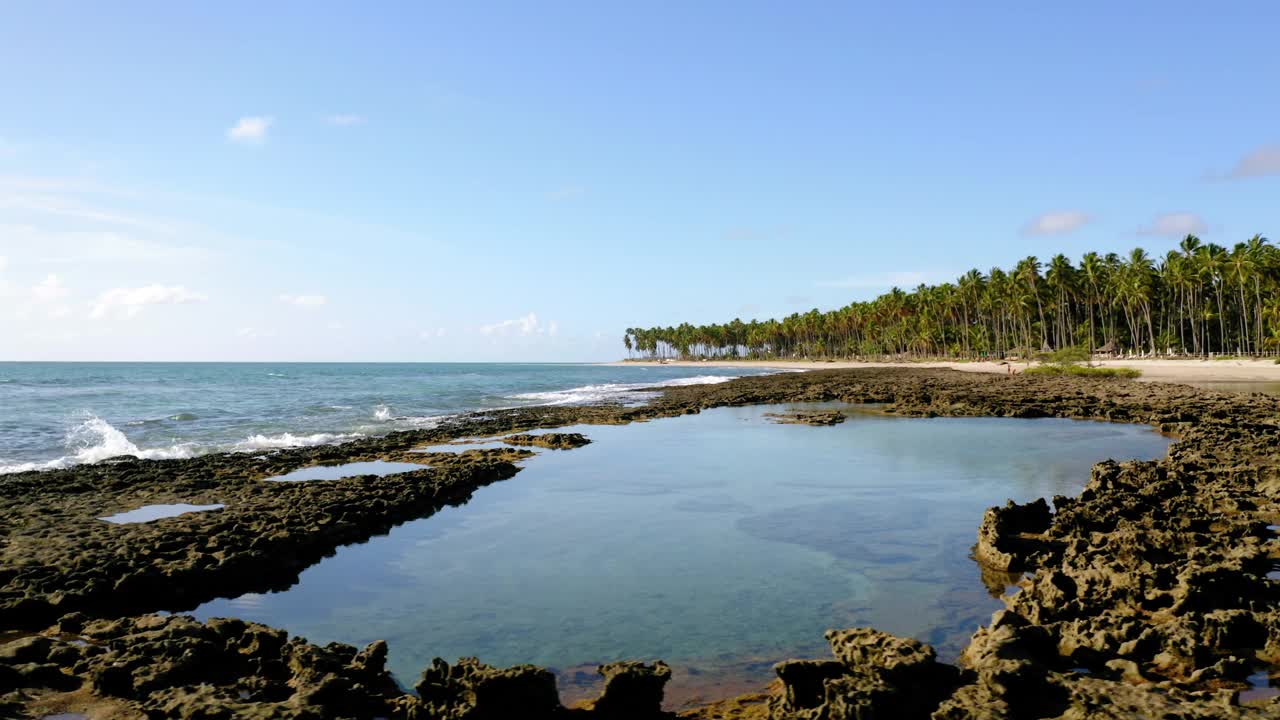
60,414
720,542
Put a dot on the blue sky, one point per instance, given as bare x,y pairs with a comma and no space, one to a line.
522,181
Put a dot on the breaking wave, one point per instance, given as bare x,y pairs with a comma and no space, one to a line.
95,440
608,392
289,440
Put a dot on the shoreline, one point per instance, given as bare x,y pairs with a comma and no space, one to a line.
1168,527
1153,370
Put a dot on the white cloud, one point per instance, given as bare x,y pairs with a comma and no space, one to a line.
254,333
49,290
345,119
1259,162
250,129
1056,223
304,300
902,279
4,263
1175,225
430,333
521,326
131,301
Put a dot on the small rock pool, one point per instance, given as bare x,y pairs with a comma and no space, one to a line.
147,513
721,542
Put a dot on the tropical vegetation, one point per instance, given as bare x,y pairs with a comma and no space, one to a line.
1199,299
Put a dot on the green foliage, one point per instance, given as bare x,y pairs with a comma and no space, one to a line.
1196,299
1066,355
1083,371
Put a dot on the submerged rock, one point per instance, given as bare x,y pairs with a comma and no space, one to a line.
808,417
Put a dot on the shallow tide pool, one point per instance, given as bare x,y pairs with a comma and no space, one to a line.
720,542
147,513
346,470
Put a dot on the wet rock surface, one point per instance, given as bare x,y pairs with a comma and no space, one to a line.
1146,596
553,441
808,417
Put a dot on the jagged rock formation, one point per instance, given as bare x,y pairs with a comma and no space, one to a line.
874,675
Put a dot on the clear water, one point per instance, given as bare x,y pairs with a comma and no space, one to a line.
147,513
60,414
720,542
461,447
346,470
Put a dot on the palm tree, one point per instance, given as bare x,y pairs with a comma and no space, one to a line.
1138,304
1028,271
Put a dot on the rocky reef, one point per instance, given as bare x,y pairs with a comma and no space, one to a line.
1149,595
553,441
808,417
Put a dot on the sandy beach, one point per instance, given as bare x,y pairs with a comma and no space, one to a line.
1155,370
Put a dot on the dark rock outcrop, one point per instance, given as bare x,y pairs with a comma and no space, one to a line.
553,441
874,675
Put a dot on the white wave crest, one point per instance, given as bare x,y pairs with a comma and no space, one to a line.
289,440
389,423
94,440
382,413
625,392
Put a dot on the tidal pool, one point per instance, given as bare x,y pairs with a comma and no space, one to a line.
147,513
720,542
346,470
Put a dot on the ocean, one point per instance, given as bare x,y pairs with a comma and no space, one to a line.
55,415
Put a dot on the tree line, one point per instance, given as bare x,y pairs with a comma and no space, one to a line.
1198,299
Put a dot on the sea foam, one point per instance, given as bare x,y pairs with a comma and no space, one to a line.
289,440
94,440
606,392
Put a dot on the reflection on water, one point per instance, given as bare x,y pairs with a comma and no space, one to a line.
719,542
